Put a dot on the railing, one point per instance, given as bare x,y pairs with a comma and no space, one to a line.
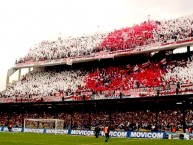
131,93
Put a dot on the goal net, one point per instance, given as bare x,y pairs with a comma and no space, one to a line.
54,124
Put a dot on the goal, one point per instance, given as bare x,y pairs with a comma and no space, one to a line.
54,124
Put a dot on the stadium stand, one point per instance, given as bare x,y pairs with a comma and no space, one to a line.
132,79
144,75
136,38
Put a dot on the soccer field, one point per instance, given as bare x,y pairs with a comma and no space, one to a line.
50,139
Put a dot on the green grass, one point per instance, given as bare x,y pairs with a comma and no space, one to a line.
50,139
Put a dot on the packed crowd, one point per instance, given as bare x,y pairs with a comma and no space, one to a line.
164,74
48,83
166,120
124,77
147,120
148,34
63,48
181,73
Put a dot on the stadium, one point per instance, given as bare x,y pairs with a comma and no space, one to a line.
136,80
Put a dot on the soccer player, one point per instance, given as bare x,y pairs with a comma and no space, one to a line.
97,131
106,131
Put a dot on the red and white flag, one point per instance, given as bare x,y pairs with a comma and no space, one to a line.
136,68
163,61
146,64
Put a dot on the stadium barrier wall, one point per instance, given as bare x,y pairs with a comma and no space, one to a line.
117,134
156,135
186,136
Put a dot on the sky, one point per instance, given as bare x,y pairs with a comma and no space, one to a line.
24,23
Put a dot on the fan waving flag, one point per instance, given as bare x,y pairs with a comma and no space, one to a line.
136,68
163,61
146,64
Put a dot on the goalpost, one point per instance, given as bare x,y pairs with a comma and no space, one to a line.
56,124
